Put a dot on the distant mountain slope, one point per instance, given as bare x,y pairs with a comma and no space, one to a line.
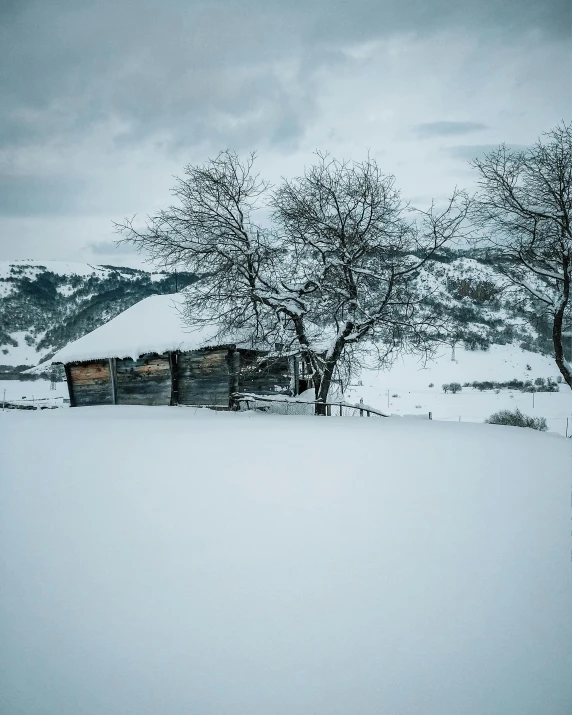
45,305
467,288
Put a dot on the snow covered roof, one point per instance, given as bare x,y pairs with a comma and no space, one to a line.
154,325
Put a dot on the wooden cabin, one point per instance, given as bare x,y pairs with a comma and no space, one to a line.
146,356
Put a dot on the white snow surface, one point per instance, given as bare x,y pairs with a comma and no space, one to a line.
172,560
154,324
64,268
404,389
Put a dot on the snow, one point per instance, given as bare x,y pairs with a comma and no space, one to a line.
172,560
32,269
23,354
499,363
62,268
33,391
153,325
409,379
65,268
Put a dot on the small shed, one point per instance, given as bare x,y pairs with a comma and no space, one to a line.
147,356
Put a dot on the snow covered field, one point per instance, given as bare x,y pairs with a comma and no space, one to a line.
172,560
404,390
33,391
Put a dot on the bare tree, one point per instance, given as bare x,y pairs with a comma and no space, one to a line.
333,278
524,202
356,243
210,231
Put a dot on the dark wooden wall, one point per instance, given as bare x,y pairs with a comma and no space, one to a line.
204,377
91,383
266,375
146,381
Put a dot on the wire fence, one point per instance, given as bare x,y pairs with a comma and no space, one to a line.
560,425
291,406
33,403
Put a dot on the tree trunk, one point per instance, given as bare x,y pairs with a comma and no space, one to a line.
557,327
324,387
557,342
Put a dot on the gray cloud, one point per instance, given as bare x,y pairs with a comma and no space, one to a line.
119,95
29,195
468,152
168,67
196,69
106,248
429,130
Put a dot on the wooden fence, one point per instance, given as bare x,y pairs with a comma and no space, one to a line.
288,406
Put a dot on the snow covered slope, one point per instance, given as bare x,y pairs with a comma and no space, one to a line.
412,387
44,306
499,362
159,560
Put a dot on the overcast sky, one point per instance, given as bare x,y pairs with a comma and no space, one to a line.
102,103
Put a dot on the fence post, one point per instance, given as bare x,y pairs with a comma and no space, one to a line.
430,415
341,410
361,403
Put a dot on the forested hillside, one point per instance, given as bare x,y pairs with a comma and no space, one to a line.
45,305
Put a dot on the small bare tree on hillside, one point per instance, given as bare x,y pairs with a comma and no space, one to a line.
332,278
525,203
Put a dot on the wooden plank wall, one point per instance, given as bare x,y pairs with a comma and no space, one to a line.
146,381
90,383
266,375
204,377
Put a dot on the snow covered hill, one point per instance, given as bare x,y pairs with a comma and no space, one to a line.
159,560
412,387
43,306
469,290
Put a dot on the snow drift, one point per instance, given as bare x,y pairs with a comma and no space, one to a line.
167,560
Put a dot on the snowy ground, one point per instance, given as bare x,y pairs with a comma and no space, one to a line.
404,390
33,391
167,560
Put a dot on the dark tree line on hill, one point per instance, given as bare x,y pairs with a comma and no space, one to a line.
52,309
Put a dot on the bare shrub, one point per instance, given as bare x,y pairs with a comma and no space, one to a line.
517,419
